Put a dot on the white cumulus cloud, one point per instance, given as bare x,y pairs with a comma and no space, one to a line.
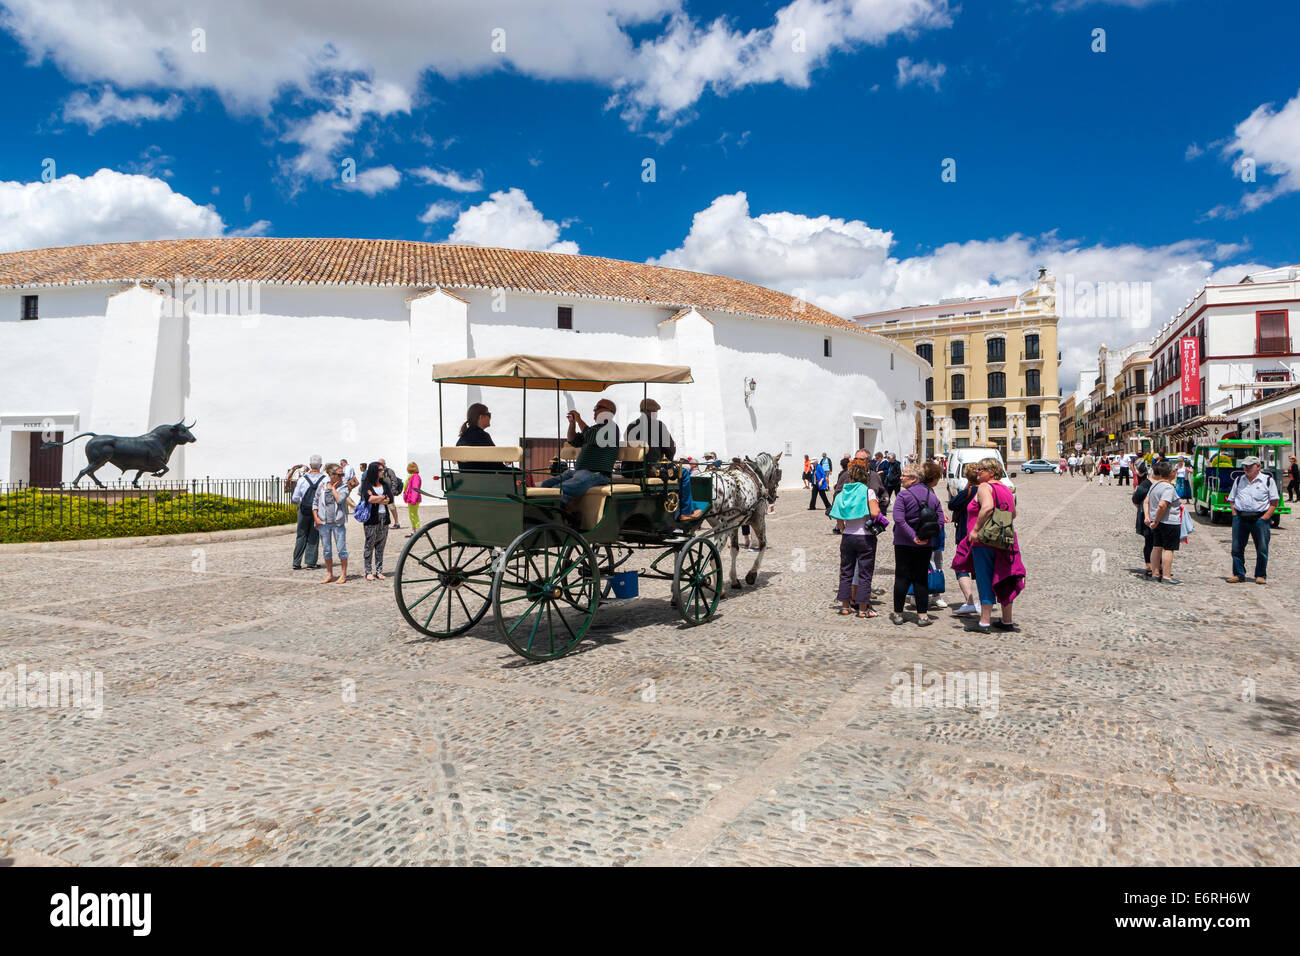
374,181
82,107
450,179
106,207
653,56
509,219
1267,140
923,73
846,267
440,210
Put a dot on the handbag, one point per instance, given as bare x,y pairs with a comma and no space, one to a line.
998,531
935,582
1185,525
362,511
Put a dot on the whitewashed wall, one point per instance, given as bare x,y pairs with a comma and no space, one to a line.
346,372
48,370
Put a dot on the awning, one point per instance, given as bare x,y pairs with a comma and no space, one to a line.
1197,427
1256,411
547,372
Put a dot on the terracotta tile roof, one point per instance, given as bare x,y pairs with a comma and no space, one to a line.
391,262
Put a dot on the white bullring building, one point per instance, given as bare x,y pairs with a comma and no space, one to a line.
281,348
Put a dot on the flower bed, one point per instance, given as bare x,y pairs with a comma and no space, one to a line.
42,515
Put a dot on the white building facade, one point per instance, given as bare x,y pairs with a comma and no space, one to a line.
1247,348
327,346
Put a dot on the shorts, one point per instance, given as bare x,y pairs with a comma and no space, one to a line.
1166,536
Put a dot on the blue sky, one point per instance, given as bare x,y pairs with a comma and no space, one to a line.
815,170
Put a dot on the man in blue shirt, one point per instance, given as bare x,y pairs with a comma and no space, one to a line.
1253,498
821,482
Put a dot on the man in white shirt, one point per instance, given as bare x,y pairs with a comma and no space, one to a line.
304,495
1254,497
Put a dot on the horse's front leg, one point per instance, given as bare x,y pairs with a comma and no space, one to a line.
759,522
735,552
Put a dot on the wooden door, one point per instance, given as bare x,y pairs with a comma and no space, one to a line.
45,467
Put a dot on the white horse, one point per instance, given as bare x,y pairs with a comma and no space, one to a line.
742,492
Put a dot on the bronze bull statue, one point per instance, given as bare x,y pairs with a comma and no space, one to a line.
148,452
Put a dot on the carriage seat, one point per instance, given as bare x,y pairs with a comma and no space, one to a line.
472,454
591,506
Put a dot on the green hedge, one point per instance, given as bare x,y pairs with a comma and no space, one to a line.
35,515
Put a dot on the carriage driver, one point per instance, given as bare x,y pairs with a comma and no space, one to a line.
649,431
597,446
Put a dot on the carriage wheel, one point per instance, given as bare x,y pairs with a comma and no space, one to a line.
697,580
546,591
442,588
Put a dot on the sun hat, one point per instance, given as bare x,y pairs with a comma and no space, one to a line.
1251,460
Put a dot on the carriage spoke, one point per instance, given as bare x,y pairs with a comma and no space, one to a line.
426,594
435,607
566,623
524,616
533,633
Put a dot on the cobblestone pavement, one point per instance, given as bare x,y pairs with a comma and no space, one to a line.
253,716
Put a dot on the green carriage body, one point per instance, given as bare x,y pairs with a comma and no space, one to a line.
507,544
492,508
1216,465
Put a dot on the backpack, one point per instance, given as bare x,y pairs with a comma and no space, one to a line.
997,531
390,476
309,497
927,519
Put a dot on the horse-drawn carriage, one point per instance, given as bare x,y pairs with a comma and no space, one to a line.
506,543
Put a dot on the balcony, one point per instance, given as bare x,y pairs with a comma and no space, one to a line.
1031,392
1133,390
1031,355
1273,345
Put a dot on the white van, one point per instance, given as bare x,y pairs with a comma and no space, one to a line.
959,458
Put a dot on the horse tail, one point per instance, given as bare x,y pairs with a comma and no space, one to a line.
56,444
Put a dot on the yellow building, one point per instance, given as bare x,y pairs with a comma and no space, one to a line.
996,369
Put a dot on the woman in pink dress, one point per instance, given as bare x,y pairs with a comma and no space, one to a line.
999,573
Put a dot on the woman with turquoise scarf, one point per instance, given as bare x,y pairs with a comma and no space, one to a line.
855,508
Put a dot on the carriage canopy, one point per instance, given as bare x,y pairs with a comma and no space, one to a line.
549,372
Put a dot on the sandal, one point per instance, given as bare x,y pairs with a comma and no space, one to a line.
845,611
924,621
895,617
867,613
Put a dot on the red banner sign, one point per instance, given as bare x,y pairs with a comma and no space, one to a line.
1190,350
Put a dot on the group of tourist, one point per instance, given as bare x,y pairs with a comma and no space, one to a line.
986,552
327,494
1165,523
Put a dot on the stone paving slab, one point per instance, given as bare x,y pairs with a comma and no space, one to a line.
883,806
766,736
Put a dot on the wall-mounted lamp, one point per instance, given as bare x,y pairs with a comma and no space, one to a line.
750,385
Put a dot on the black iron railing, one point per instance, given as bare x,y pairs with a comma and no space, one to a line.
63,512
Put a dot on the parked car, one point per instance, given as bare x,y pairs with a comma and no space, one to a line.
959,457
1039,464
